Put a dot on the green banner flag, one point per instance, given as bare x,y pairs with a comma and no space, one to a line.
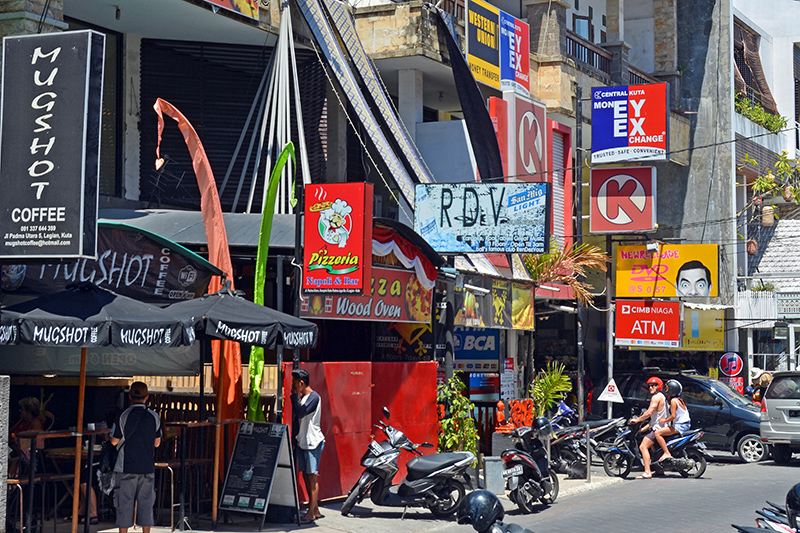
254,411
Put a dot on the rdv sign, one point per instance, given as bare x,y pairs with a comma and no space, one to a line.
648,323
623,200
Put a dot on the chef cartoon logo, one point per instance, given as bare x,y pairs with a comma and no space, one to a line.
335,223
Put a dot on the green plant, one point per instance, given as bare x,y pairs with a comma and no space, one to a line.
457,430
548,388
567,265
756,113
763,287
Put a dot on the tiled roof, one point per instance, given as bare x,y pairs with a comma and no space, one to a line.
778,252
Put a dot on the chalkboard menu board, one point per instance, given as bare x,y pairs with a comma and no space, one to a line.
261,459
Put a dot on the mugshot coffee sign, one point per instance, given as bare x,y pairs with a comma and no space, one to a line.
683,270
629,123
50,144
337,255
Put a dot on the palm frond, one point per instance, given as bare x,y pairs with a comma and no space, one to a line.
567,265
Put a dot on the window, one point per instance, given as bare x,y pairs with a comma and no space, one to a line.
785,387
583,27
111,126
749,78
697,395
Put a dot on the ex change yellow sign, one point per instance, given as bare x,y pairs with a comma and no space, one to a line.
684,270
483,42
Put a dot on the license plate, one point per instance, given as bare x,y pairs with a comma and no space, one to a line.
794,414
376,448
513,471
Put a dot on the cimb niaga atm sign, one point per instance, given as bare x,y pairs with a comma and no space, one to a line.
629,123
645,323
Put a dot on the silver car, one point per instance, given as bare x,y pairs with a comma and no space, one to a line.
780,416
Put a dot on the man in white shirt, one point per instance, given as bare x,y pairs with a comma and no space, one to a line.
306,414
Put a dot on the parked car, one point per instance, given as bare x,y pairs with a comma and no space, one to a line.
729,419
780,416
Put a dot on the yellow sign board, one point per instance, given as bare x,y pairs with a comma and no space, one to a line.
703,330
483,42
683,270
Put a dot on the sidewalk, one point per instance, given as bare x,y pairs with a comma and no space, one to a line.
368,518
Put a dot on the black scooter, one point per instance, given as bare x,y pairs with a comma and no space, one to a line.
434,481
527,474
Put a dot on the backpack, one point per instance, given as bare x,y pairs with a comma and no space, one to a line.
105,471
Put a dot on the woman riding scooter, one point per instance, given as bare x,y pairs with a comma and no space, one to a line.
677,422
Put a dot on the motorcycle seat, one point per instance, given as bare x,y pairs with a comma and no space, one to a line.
419,467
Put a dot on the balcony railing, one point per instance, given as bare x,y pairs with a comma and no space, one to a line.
588,53
638,77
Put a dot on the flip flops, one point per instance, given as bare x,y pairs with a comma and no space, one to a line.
645,475
93,520
307,519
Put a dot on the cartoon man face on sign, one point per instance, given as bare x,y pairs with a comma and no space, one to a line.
693,280
335,223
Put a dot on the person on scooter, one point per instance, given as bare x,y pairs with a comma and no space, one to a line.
677,422
656,410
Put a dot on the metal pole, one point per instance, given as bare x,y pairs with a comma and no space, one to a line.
609,323
579,239
298,258
279,354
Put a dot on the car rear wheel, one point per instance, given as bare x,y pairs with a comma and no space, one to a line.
751,449
781,454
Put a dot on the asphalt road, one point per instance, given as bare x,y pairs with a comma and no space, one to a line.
729,492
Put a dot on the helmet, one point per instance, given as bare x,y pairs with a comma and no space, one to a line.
657,381
674,388
542,426
480,508
793,506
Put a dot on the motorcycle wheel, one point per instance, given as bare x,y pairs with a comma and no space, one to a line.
524,500
450,497
551,496
351,500
617,464
699,463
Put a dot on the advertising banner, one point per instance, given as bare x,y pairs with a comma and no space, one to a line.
337,256
683,270
530,137
477,349
493,303
500,315
248,8
703,329
50,144
130,262
396,296
522,315
731,371
481,217
515,61
630,123
403,341
483,42
646,324
623,200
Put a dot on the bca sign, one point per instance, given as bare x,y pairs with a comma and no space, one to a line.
623,200
647,323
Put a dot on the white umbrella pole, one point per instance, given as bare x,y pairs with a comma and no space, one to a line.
79,430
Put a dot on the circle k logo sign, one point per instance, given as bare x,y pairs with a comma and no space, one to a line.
623,200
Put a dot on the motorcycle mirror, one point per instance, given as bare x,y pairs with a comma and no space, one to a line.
386,412
426,445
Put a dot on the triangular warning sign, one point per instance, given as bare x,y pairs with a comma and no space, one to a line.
611,393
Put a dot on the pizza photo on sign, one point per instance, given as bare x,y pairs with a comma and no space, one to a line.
417,300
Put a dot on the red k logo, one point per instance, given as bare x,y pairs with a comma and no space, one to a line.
622,200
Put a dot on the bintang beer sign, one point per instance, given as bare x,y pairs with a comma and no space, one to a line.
50,144
338,238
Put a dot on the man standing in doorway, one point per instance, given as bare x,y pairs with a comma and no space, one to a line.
306,414
136,434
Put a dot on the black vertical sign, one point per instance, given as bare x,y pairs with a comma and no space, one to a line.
50,144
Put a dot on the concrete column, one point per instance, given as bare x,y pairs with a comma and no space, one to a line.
336,164
666,48
619,61
548,22
615,21
409,96
23,18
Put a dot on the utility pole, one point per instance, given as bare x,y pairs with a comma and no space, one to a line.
579,240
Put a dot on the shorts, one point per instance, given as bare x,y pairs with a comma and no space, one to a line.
130,489
651,436
308,460
683,427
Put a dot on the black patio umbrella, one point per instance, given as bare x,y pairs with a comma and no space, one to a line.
227,316
86,316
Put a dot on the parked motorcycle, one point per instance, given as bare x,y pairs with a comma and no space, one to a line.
434,481
688,453
484,512
568,449
526,471
777,517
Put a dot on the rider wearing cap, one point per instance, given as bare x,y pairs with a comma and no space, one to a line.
657,410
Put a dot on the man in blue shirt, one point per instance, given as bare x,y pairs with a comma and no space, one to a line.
138,429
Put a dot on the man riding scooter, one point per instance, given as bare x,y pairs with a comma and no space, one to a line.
656,410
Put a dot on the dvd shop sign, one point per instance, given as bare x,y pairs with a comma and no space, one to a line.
648,324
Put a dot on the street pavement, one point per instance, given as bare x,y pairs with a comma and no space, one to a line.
729,492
